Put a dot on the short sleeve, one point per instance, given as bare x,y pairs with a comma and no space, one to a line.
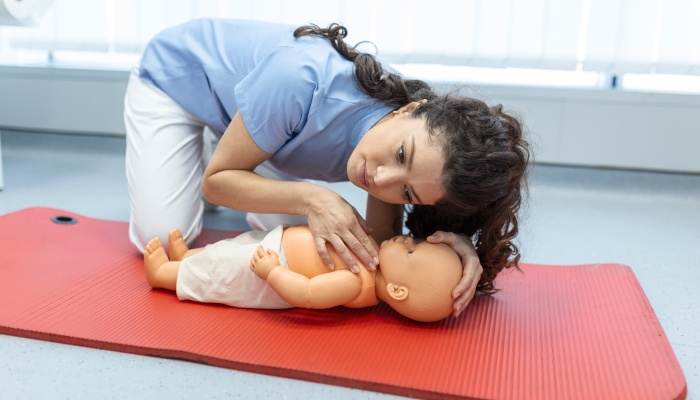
276,97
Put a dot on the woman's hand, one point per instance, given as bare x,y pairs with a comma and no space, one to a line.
333,220
471,274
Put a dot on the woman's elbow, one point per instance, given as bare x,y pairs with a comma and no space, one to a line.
207,188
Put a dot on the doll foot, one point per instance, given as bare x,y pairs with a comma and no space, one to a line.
177,245
154,256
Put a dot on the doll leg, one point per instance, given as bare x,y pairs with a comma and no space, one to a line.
160,272
178,248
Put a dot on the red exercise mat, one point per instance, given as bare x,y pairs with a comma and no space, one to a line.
584,332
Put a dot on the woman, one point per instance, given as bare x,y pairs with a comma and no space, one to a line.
295,104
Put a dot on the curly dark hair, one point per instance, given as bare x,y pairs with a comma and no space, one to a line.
486,159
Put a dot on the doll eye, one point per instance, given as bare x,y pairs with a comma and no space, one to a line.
410,252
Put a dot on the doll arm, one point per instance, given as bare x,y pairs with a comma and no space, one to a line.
323,291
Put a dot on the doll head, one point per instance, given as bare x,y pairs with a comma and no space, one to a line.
416,279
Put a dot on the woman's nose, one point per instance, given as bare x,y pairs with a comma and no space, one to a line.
385,176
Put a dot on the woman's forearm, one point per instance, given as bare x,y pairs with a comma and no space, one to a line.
247,191
229,179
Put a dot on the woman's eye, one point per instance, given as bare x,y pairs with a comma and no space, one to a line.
406,194
402,156
410,252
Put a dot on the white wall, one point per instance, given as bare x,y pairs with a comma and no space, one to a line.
62,99
608,128
593,127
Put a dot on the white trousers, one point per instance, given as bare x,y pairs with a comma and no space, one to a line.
164,144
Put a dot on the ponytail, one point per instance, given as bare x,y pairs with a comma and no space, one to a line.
391,89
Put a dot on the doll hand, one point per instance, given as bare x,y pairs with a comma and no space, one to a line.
471,274
262,263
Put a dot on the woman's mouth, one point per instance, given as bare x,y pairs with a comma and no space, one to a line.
362,175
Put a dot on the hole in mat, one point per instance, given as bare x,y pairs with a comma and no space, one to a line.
64,220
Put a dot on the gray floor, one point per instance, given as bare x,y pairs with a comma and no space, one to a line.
649,221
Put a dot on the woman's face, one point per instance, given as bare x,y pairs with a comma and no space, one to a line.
396,162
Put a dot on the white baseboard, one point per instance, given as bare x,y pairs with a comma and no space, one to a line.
572,126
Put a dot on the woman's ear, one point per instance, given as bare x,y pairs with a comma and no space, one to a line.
412,106
396,292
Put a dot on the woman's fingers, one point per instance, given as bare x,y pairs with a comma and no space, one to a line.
343,251
471,268
463,300
448,238
439,237
461,244
323,252
345,247
333,220
471,272
360,244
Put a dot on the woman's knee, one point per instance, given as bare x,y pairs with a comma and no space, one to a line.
146,224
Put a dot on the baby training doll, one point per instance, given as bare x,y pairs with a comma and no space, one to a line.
282,269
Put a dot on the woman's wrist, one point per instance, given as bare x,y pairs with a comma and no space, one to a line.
314,198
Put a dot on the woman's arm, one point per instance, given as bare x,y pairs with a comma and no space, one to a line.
229,181
323,291
385,219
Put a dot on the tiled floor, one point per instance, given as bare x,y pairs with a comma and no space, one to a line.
650,221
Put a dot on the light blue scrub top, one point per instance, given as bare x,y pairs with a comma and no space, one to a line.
297,97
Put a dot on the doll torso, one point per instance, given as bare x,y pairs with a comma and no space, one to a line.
302,258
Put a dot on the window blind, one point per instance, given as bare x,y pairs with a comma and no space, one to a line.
617,36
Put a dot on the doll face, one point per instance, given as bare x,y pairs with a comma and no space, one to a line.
398,162
401,258
401,242
416,278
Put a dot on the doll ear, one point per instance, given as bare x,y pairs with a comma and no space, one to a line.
398,293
